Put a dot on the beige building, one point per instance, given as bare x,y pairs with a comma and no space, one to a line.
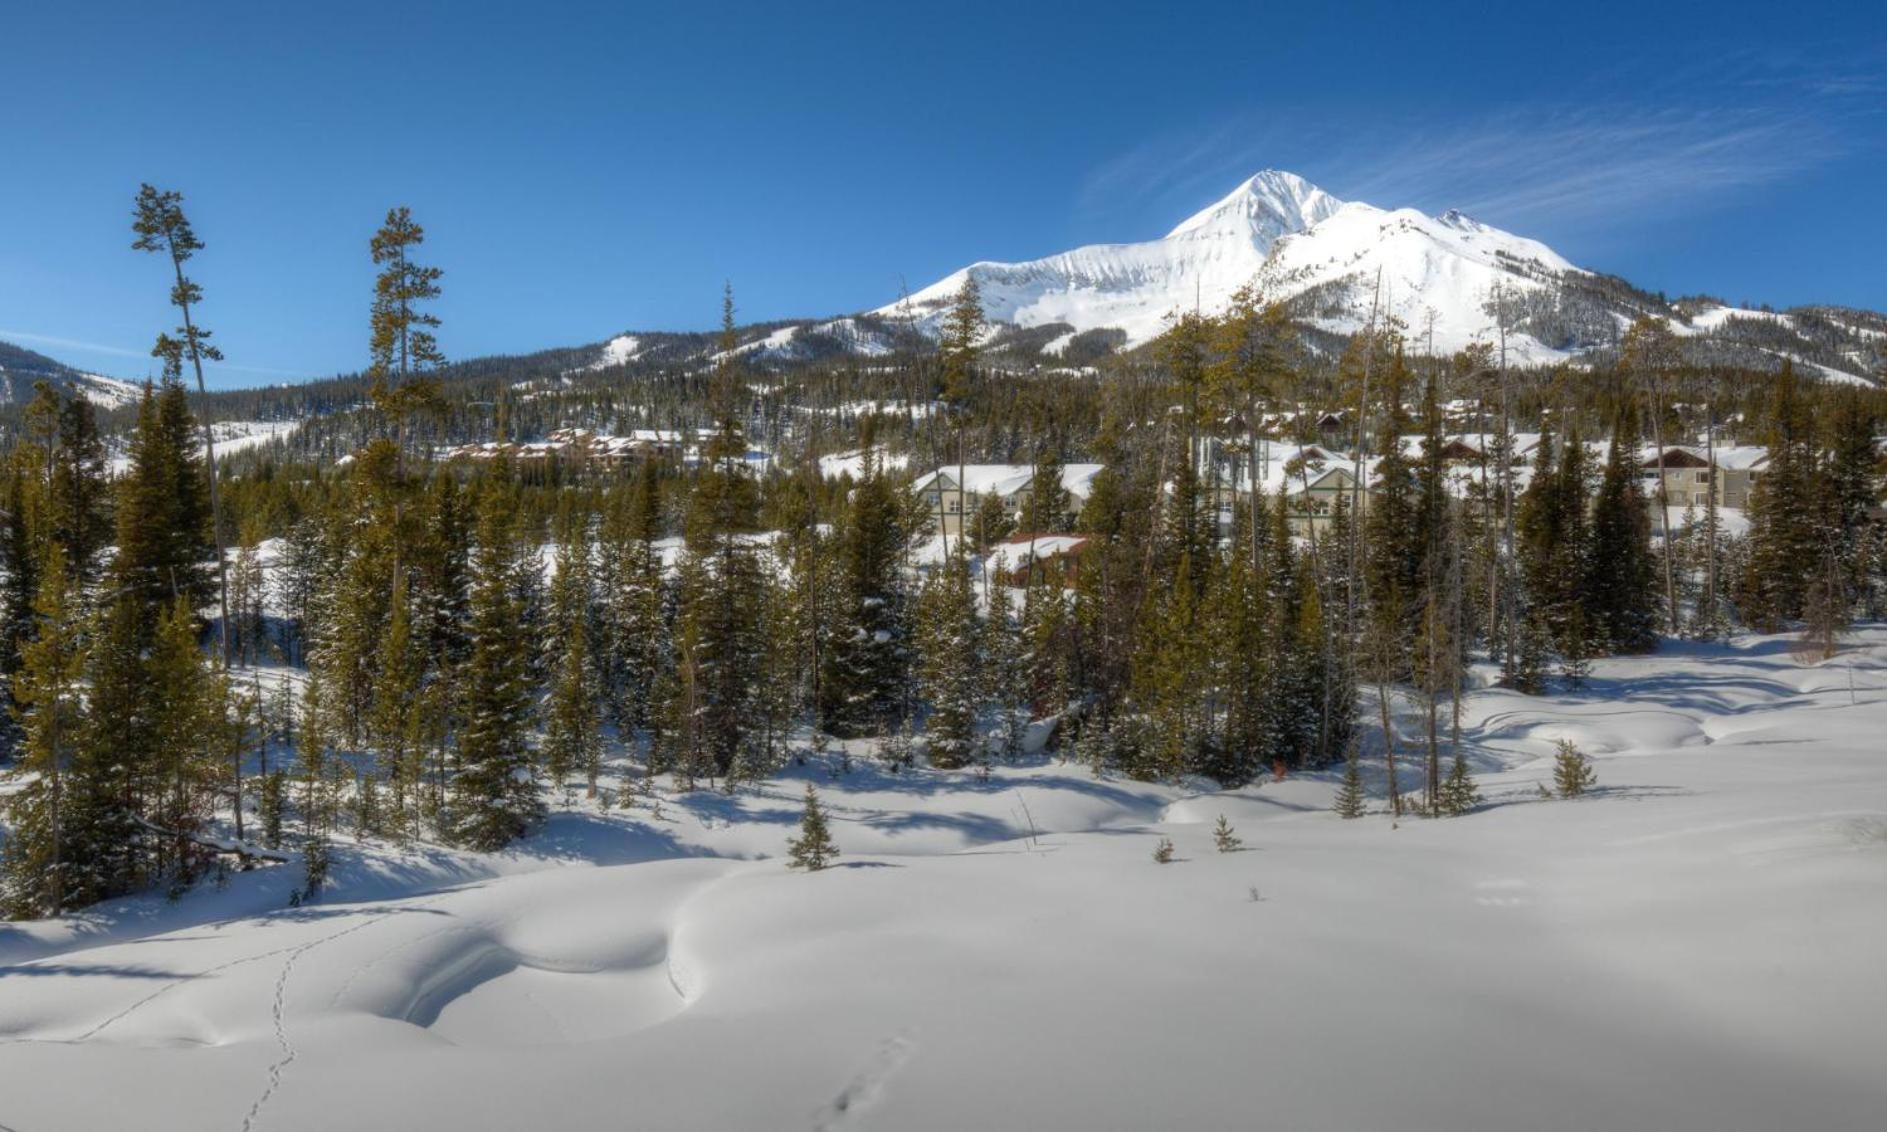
951,492
1690,480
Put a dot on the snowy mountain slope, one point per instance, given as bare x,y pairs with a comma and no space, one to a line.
1334,262
1291,239
20,368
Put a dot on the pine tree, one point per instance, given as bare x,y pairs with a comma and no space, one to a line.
246,583
1555,547
112,777
1225,838
1825,614
1459,793
186,723
635,624
1854,486
1245,659
22,557
1039,678
1617,588
1350,802
271,804
1572,770
1047,507
951,665
400,340
78,490
867,664
1169,681
572,741
1393,520
1163,852
961,341
162,227
163,512
720,637
393,724
814,848
1648,353
45,858
1785,549
781,697
1526,663
495,796
376,541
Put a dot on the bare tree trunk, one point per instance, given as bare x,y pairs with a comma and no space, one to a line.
1508,616
1388,744
1710,519
1431,692
1664,500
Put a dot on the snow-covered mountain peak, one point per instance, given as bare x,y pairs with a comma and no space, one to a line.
1289,239
1270,204
1336,265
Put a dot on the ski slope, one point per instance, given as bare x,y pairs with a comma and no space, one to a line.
1696,946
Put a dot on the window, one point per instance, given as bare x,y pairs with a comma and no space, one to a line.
1703,477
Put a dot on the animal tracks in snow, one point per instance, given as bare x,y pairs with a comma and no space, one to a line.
867,1087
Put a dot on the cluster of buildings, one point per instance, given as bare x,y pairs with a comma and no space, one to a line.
1316,479
582,449
582,446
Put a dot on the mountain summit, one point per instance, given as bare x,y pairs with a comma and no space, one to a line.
1271,204
1294,242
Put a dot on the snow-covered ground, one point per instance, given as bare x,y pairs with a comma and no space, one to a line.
1696,946
228,437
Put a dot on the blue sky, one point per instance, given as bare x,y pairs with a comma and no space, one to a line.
583,169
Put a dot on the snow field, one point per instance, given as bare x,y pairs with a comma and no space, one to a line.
1695,945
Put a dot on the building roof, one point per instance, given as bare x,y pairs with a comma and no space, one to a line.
1007,479
1014,553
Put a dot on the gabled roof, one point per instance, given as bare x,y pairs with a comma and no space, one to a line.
1731,457
1007,479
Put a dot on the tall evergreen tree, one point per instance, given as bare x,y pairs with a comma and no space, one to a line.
185,717
495,795
401,342
163,511
1618,585
45,860
951,672
161,227
635,622
1785,538
720,637
864,685
572,740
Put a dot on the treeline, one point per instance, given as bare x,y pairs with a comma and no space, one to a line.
467,638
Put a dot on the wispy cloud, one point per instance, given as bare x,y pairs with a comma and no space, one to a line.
1688,138
71,344
107,350
1577,165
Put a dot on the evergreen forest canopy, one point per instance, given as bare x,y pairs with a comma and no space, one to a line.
210,659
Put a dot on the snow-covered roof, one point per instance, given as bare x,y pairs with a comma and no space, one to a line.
1007,479
1015,553
1741,457
1730,457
